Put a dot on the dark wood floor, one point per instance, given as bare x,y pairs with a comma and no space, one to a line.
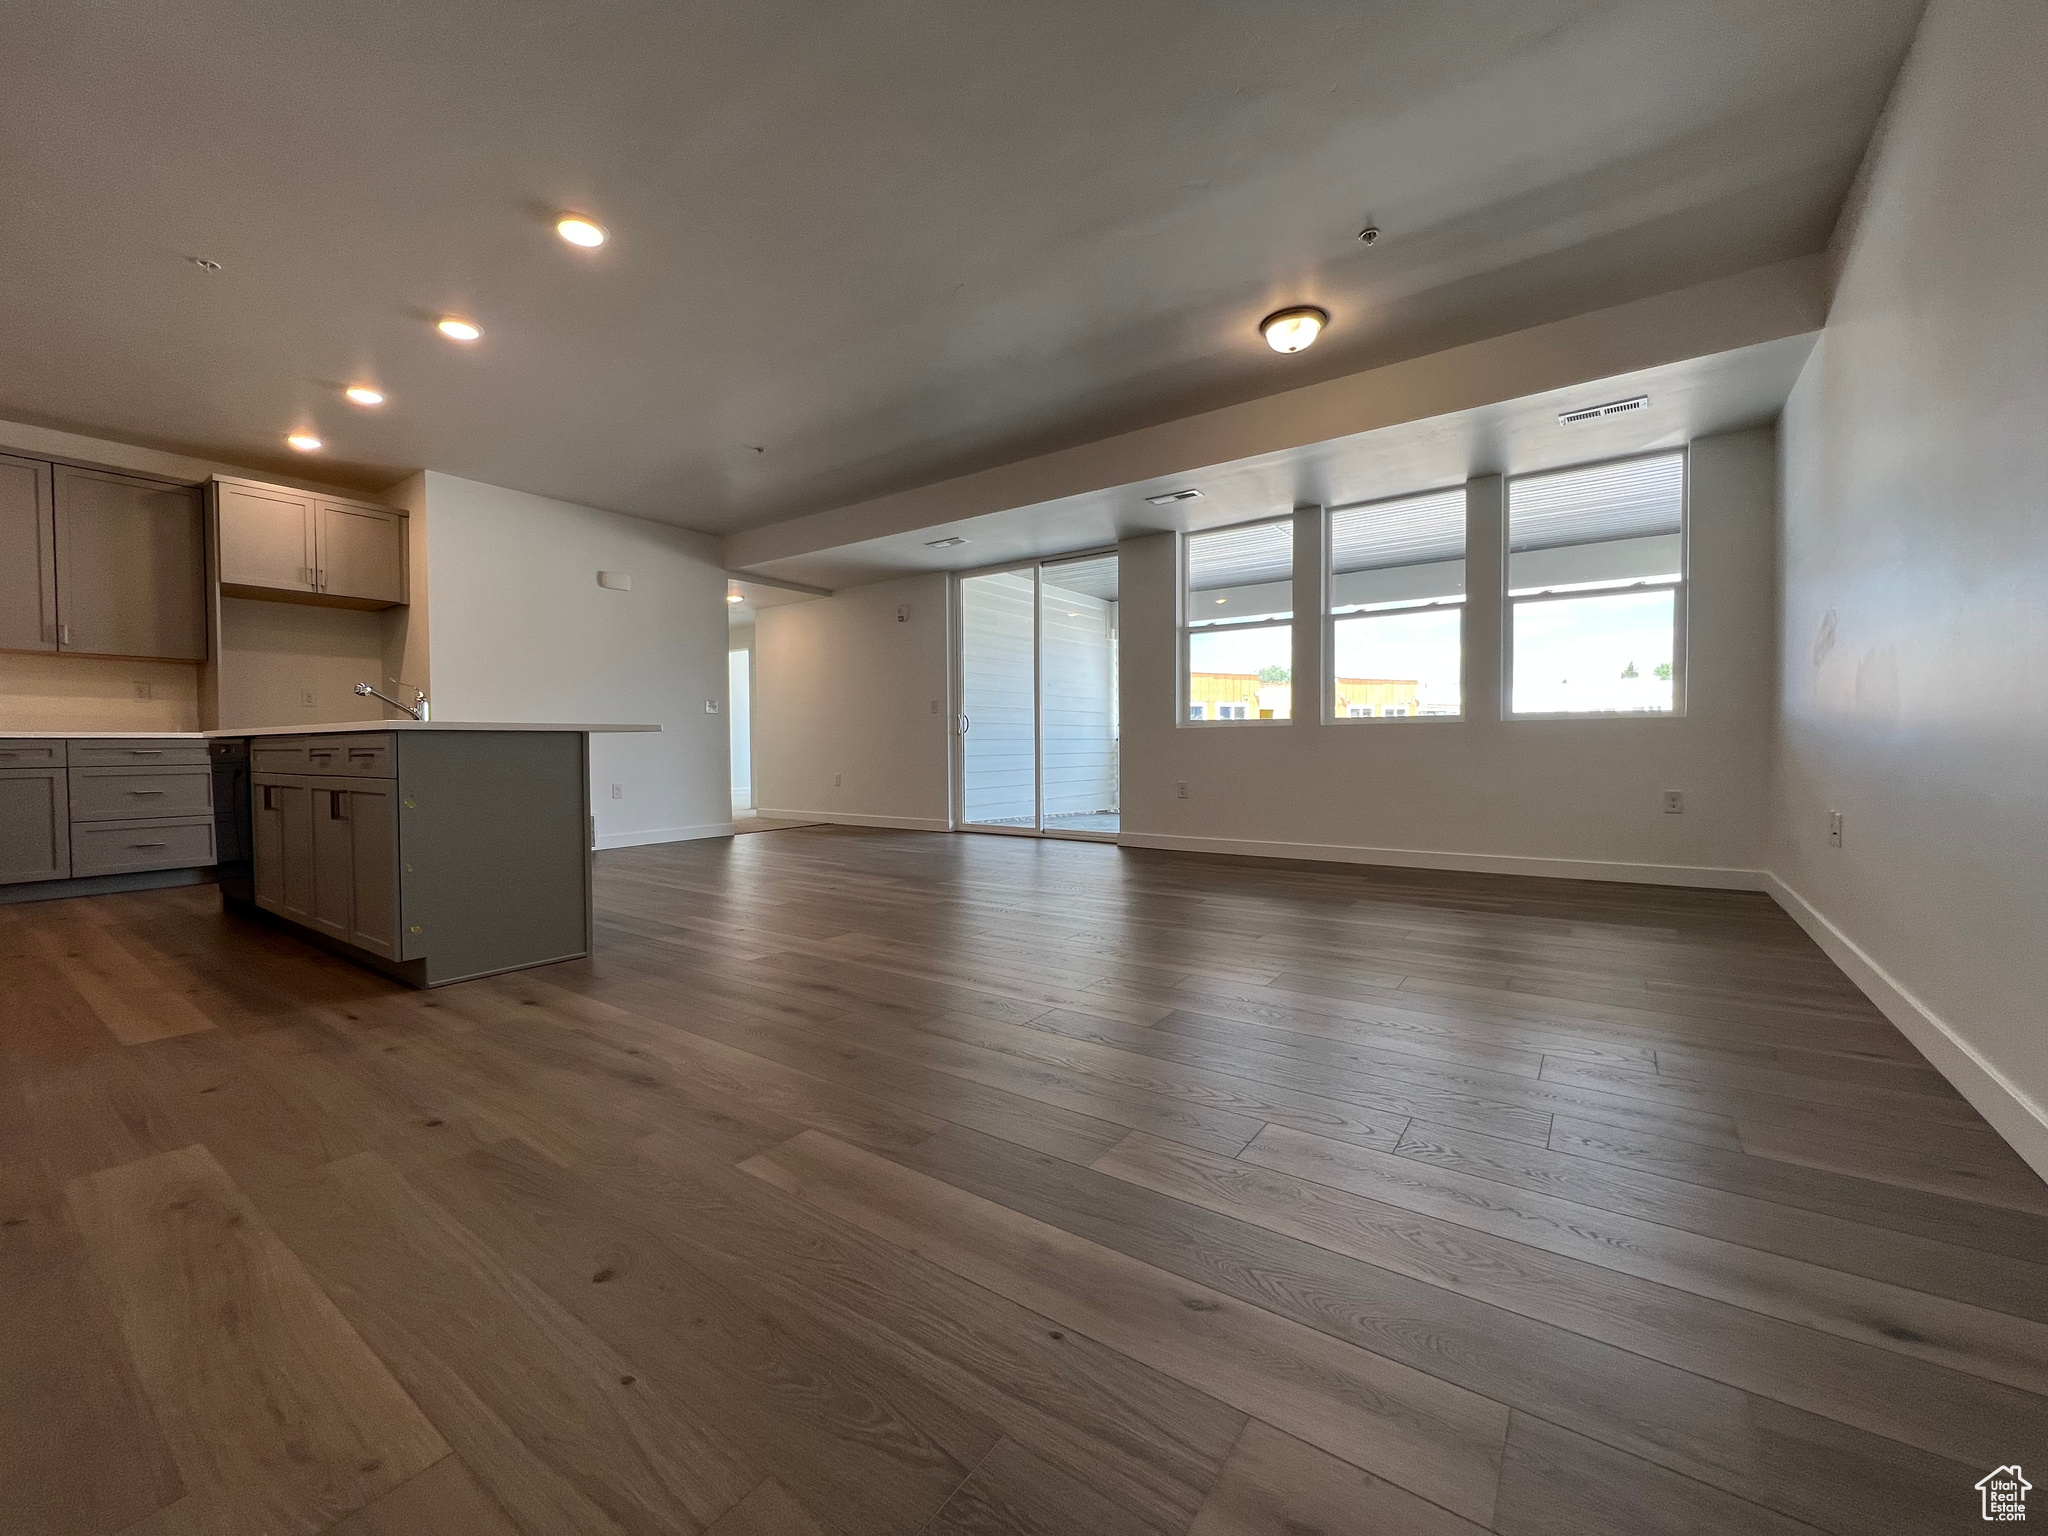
880,1182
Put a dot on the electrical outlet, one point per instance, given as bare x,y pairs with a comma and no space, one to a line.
935,706
1180,789
618,791
835,779
306,698
141,689
1834,829
1674,803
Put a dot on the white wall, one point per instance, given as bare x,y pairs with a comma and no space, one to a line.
520,630
1915,568
841,688
1569,797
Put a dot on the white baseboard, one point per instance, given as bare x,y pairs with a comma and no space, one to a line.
850,819
1699,876
663,835
2014,1115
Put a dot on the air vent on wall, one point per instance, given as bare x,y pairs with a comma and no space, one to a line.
1172,496
1596,412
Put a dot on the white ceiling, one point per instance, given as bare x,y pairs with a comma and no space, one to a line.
1696,398
857,247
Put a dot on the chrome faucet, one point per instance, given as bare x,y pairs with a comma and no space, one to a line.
417,708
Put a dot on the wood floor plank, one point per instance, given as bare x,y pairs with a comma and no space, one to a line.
771,1510
1014,1492
1299,1188
1143,1437
568,1435
1435,1439
277,1414
1276,1483
444,1500
129,998
1985,1171
1996,1346
1972,1275
844,1427
1557,1483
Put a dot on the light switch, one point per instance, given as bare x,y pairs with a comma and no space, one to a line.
711,706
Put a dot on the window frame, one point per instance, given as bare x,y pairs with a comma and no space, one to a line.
1681,590
1330,713
1187,630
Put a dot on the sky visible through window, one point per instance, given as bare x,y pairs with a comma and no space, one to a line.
1610,653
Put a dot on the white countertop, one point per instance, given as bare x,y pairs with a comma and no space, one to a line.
344,727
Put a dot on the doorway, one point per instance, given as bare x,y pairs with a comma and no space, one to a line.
740,721
1037,727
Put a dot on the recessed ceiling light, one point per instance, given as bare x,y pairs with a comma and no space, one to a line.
456,329
578,230
305,442
1221,600
952,543
1294,330
362,394
1190,494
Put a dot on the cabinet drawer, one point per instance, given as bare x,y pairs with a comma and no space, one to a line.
20,752
124,794
140,753
124,847
365,756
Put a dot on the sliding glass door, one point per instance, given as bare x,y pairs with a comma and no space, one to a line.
1037,723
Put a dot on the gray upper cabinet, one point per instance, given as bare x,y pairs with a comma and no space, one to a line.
28,557
362,553
266,539
131,566
294,546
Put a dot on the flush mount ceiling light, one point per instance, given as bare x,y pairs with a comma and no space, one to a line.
734,597
305,442
363,394
952,543
579,229
457,329
1294,330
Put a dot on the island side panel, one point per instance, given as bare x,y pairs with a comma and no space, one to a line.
493,849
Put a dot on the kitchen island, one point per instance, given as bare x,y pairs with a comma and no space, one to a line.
432,851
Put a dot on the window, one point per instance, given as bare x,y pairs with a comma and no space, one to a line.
1237,633
1596,589
1396,607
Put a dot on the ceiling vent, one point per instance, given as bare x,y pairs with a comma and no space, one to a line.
1171,497
952,543
1597,412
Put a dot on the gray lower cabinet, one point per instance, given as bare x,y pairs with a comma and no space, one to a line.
326,856
35,829
435,856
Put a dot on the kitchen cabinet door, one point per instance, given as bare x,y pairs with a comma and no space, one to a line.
267,539
362,553
35,825
28,557
131,566
373,876
333,874
283,833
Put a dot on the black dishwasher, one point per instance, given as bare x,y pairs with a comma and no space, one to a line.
232,834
